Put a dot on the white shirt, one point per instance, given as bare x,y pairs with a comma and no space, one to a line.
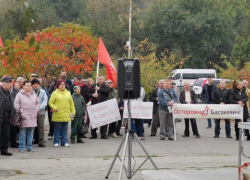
188,96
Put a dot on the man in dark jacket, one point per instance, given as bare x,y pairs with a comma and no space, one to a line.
154,98
84,88
221,96
6,114
99,93
207,96
188,96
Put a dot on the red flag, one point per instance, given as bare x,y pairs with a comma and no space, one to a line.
1,45
104,58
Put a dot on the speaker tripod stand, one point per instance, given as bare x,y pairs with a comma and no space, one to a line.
127,141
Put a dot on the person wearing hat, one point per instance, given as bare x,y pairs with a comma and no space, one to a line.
113,94
6,114
84,88
43,99
80,107
33,76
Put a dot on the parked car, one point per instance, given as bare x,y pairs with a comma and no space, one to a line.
199,84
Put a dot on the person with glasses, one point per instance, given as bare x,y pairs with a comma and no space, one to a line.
63,107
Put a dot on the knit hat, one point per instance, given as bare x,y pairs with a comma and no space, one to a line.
35,81
76,87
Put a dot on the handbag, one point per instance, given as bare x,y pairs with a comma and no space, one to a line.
16,121
84,129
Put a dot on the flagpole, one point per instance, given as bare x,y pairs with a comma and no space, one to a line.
97,74
130,21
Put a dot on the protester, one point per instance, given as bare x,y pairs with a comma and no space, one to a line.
62,104
16,85
207,96
33,76
84,88
63,75
80,107
173,86
43,99
167,98
99,93
27,103
113,94
154,98
90,82
20,80
221,96
14,129
238,96
7,112
188,96
245,85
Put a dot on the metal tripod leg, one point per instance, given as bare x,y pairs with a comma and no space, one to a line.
143,148
124,154
116,155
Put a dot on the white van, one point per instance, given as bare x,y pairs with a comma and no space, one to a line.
180,76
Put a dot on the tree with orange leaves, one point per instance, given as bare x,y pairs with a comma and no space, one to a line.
69,47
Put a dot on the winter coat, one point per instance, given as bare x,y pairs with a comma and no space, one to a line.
221,96
43,99
63,101
80,105
205,95
84,91
28,105
2,103
165,98
235,96
103,93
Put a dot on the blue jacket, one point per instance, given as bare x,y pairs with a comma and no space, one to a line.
204,93
164,98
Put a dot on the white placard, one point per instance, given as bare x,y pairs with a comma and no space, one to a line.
218,111
139,110
103,113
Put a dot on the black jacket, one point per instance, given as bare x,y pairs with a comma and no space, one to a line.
153,97
193,97
84,92
2,103
221,96
103,93
235,96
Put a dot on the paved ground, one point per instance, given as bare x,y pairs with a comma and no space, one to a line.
92,159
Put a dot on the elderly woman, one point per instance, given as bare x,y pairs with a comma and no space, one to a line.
63,108
27,103
239,96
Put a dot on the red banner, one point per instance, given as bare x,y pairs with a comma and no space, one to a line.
104,58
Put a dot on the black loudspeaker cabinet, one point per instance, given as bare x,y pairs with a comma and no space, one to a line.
129,78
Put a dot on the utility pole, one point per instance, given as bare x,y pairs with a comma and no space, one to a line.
129,39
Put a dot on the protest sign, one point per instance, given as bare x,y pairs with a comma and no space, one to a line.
139,110
103,113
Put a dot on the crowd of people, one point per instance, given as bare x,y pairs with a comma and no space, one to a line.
66,101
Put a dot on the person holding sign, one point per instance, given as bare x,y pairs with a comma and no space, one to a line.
221,96
99,93
167,98
188,97
239,96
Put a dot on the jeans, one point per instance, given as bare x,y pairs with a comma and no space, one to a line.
60,129
209,122
22,138
227,127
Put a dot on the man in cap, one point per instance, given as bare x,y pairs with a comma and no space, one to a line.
6,114
84,88
33,76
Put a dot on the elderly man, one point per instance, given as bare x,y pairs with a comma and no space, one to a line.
167,98
33,76
7,112
221,96
20,81
154,98
187,96
207,96
99,93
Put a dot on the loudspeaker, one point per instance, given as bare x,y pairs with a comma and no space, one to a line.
129,78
